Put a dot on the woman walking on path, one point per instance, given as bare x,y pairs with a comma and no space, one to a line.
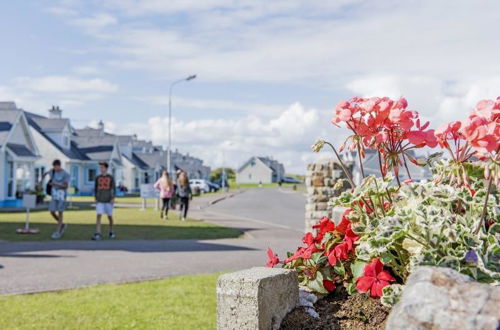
166,188
184,193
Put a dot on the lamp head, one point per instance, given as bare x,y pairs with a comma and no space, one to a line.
191,77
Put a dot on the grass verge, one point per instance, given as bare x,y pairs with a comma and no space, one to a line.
130,224
183,302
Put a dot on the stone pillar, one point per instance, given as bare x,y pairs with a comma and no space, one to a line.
257,298
321,178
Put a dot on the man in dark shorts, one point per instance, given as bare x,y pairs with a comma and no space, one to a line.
104,191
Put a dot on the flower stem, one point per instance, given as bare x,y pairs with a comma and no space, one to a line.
397,177
406,166
380,164
342,165
361,163
485,207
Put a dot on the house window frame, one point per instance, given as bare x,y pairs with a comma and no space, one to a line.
88,174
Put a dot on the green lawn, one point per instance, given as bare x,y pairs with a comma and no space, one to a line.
126,199
184,302
131,223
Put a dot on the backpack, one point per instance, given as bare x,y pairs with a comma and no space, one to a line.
48,188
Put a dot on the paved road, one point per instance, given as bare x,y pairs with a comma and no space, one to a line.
268,216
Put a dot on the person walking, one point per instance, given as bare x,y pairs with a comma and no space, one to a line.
184,193
166,188
104,192
57,189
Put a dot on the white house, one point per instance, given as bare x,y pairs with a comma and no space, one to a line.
260,170
79,155
135,171
54,137
18,152
97,149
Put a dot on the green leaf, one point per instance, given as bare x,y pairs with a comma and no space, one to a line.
317,284
339,268
351,288
357,268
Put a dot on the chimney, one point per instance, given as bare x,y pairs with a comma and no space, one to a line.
55,112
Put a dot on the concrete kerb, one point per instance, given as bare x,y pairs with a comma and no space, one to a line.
256,298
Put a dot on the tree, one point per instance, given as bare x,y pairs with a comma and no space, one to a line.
216,174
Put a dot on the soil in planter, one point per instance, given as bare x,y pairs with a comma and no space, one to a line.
340,311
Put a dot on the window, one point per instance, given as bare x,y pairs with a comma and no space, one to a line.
39,171
66,141
146,177
91,174
74,176
250,175
10,179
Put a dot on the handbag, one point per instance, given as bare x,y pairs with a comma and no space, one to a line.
48,188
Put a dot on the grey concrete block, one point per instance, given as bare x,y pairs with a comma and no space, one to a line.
441,298
256,298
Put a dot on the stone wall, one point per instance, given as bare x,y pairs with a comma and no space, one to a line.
321,178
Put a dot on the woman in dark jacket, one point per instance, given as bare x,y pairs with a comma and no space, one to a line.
184,193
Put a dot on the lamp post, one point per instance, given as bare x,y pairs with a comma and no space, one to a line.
169,153
223,172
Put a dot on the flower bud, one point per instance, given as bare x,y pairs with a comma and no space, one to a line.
318,145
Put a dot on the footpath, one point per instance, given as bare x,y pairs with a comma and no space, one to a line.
27,267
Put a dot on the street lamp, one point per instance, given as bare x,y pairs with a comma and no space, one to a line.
169,167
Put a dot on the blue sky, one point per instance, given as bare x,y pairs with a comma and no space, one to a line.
269,72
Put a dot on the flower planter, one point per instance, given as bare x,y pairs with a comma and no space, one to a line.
393,225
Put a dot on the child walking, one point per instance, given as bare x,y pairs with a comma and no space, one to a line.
166,188
105,198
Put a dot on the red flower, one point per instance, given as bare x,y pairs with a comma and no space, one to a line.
302,252
344,223
329,285
324,226
308,239
272,259
374,280
339,252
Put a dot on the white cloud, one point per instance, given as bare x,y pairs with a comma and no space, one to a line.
39,93
64,84
286,137
86,70
435,99
212,104
95,22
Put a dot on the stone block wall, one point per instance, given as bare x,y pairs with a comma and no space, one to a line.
321,178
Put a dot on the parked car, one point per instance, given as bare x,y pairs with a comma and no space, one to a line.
289,179
200,184
213,186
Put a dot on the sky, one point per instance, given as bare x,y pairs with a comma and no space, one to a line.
269,73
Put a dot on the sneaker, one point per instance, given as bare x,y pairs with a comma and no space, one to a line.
55,235
63,228
111,235
97,237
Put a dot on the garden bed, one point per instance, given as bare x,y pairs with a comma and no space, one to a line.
339,310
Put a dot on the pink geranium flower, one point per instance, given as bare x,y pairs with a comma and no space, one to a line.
375,278
272,258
